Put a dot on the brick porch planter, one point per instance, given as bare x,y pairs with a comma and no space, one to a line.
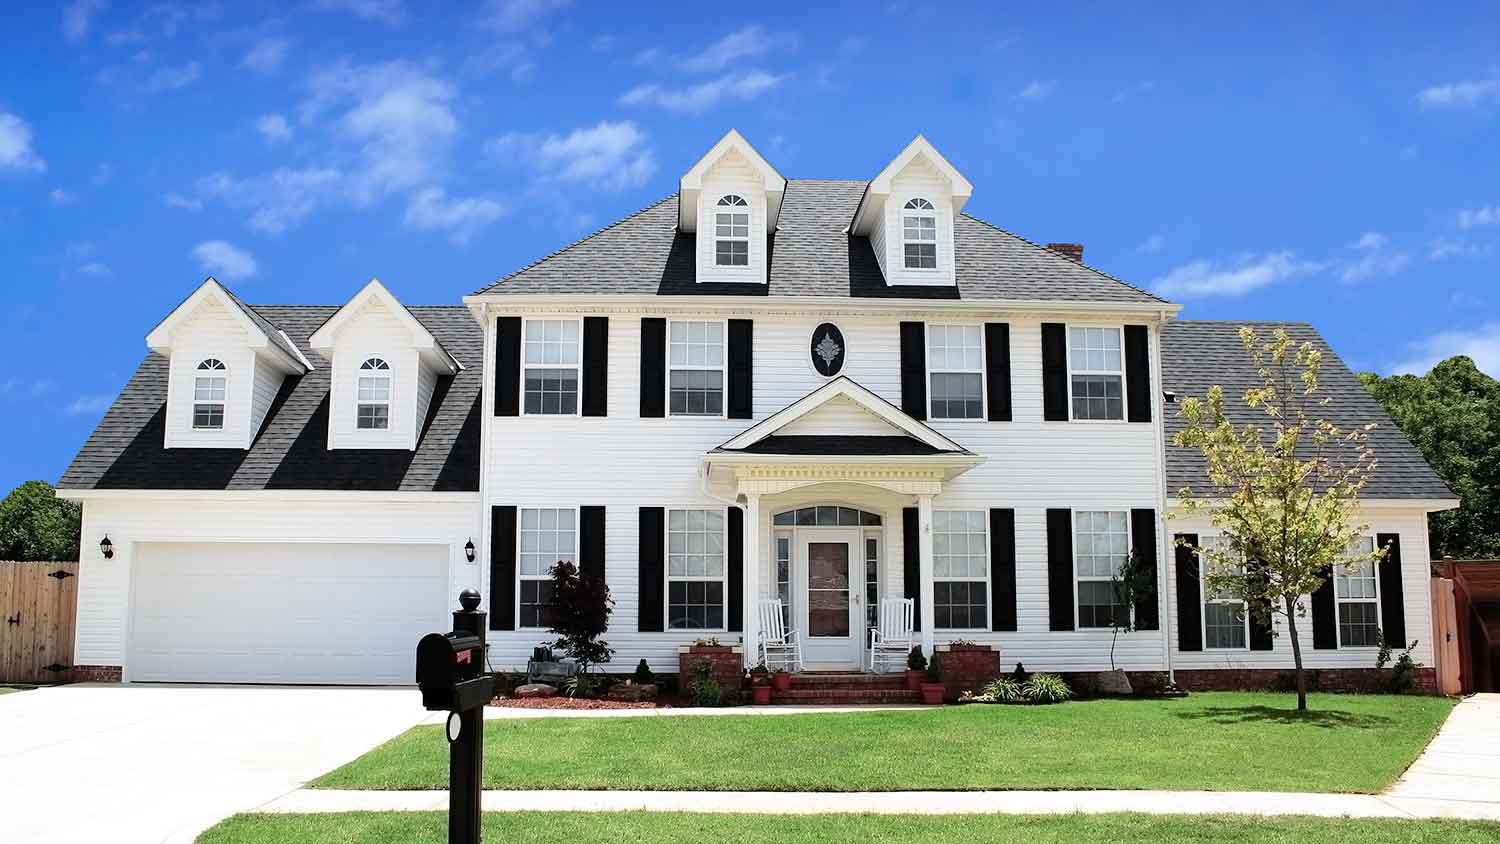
967,668
728,663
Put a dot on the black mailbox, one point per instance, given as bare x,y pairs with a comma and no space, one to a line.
451,677
449,672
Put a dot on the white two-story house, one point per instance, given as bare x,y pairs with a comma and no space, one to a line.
827,392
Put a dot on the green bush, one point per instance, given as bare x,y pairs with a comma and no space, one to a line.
1046,688
643,675
916,660
703,689
1004,690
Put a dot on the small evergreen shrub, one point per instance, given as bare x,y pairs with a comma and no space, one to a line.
1046,688
916,661
643,675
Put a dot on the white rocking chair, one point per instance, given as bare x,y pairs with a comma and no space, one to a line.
892,641
779,645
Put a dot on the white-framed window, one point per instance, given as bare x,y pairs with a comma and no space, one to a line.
732,232
872,580
550,386
373,396
210,386
960,570
1356,591
547,537
1101,544
1096,382
1226,619
784,577
695,569
695,379
919,234
955,371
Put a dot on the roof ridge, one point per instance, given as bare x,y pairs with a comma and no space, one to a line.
1092,269
554,253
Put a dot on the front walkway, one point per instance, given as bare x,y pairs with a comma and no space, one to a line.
1463,762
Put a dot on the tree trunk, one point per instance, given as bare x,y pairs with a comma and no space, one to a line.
1291,629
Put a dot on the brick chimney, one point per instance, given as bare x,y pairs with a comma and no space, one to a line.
1068,250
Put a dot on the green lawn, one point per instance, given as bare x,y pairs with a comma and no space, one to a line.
632,828
1223,742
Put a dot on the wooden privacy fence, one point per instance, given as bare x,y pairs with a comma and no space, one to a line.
38,602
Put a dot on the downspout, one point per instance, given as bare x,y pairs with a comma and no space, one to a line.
1163,543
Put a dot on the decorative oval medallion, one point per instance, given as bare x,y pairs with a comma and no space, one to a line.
827,349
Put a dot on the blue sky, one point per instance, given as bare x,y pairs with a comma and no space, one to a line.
1340,166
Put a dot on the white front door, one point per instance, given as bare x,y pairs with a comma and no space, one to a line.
829,576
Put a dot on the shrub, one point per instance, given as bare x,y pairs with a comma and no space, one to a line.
579,615
1020,675
1004,690
583,685
916,661
1046,688
1404,673
935,669
704,689
643,675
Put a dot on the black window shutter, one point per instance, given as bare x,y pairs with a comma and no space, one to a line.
997,369
653,368
595,366
1261,636
1143,537
508,366
1325,615
914,369
911,565
735,571
503,568
1189,596
1003,569
591,541
1054,372
652,570
1392,600
1059,569
1137,374
740,402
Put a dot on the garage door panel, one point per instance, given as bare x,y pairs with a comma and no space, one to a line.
283,613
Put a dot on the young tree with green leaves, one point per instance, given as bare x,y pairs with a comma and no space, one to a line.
37,525
1283,494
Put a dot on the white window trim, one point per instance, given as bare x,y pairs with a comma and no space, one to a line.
577,367
748,210
989,598
1093,578
984,390
1204,601
1124,387
668,579
1338,568
388,374
937,239
877,535
777,535
221,373
722,369
577,531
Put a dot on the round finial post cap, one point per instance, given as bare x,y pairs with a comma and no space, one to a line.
469,599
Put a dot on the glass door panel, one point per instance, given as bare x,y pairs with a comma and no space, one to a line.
828,589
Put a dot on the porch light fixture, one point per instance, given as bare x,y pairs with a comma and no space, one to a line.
107,548
469,550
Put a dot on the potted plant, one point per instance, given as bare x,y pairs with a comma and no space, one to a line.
932,683
760,685
916,666
781,679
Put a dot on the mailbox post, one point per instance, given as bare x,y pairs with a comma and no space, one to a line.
451,676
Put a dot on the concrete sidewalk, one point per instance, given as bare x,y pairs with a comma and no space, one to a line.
1463,762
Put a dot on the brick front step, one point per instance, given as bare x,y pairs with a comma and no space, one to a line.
849,681
844,696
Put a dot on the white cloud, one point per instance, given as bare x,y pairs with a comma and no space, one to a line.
16,152
62,197
744,43
1376,260
224,261
266,55
1038,89
1201,278
1481,343
276,201
89,405
607,156
1465,93
185,203
96,268
78,18
274,128
515,15
173,78
382,11
1443,248
1151,245
1486,216
703,96
431,208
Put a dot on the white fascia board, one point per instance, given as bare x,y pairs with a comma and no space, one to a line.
600,303
160,337
268,496
691,183
855,392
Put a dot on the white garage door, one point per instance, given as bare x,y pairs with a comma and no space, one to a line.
272,613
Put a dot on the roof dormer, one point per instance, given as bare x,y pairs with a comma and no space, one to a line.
226,364
908,211
385,366
732,199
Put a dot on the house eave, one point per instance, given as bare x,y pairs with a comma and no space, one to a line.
600,302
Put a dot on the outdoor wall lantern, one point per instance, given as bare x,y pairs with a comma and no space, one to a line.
468,550
107,548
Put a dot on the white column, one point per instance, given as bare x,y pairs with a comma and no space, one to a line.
752,578
924,569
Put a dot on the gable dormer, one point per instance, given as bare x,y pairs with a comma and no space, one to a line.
731,198
908,212
226,363
385,366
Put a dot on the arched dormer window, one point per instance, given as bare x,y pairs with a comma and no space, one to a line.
210,384
732,232
374,396
919,234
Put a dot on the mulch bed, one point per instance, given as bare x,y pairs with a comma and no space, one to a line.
570,703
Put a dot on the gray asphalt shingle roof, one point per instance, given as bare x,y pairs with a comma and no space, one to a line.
1196,355
290,451
810,255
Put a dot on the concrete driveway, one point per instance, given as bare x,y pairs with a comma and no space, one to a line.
104,763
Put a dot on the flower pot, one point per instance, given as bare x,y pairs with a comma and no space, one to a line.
760,695
914,680
932,693
781,681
